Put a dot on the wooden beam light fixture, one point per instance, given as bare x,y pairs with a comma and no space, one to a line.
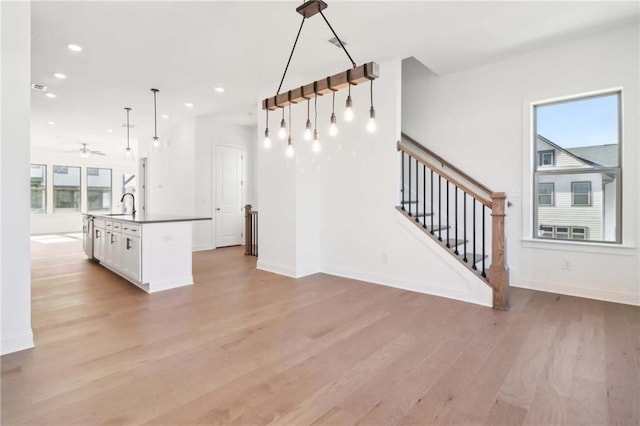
355,75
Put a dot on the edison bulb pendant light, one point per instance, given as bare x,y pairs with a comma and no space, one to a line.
333,128
267,140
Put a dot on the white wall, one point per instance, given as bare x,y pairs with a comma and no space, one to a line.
181,176
51,222
480,120
171,172
211,132
15,256
335,212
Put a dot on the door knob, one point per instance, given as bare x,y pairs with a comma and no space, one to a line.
218,208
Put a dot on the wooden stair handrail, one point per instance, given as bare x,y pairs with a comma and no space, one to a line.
445,163
498,276
424,160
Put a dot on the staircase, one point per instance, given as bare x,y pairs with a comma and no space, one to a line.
463,216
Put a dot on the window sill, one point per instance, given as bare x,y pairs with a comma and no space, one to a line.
580,247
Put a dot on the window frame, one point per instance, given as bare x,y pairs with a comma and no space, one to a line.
89,209
53,190
42,189
538,171
541,155
588,194
552,194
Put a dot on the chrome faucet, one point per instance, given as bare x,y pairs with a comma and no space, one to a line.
133,200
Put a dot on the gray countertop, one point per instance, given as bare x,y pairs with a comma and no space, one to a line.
147,218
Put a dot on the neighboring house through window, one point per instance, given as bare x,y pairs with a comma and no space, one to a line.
38,188
577,175
66,189
98,189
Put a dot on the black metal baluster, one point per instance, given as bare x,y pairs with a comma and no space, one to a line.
402,188
464,224
439,208
483,210
256,234
473,258
431,202
424,196
448,239
409,185
455,209
417,192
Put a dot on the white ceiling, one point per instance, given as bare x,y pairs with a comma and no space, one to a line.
185,49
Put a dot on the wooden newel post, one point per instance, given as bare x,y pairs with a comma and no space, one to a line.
247,230
498,271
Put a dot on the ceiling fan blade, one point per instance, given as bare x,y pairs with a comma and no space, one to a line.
98,152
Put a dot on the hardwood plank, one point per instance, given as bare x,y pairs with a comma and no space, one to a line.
244,346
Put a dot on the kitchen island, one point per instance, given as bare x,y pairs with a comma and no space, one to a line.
151,251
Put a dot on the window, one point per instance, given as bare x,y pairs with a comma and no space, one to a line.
580,193
545,194
98,189
562,232
546,231
578,169
38,188
66,189
578,233
546,158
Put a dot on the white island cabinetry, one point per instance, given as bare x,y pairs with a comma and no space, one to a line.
153,253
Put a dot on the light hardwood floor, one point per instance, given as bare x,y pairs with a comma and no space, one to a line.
246,347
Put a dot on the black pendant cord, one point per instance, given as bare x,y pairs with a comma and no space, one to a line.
333,103
291,56
337,38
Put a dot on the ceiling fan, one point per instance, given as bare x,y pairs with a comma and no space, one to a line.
85,152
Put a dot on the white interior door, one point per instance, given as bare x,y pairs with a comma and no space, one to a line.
229,170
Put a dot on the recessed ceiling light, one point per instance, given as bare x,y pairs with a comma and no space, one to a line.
50,95
219,89
109,131
165,116
188,104
74,47
59,75
51,123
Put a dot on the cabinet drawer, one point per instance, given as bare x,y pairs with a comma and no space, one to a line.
108,224
131,229
117,226
99,223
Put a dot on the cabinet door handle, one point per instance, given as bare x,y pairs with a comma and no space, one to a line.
128,243
97,234
111,238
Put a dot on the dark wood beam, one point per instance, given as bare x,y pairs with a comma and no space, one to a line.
354,76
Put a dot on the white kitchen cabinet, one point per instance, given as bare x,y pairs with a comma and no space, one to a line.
98,247
152,252
131,257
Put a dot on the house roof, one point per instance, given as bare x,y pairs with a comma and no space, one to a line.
596,155
604,155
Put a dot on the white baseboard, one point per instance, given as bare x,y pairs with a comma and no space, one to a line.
571,290
287,271
482,296
307,270
203,247
16,343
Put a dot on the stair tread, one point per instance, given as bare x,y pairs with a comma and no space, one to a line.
471,259
421,214
408,202
437,228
